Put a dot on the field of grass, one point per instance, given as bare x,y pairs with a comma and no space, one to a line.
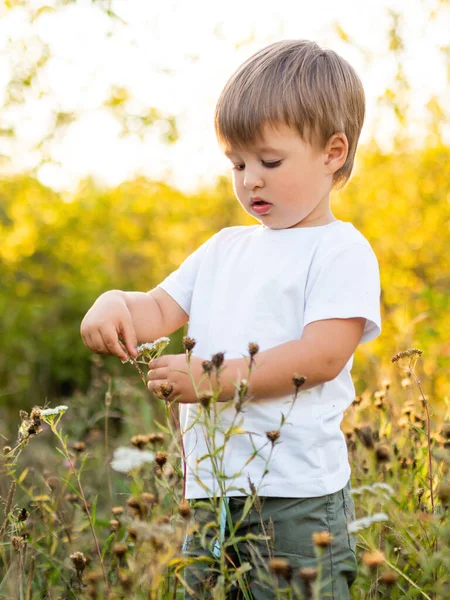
73,526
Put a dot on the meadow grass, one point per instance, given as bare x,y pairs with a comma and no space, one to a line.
93,501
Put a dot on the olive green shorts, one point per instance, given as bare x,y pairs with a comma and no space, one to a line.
294,521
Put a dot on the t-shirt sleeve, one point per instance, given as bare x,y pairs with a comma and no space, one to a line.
180,283
343,285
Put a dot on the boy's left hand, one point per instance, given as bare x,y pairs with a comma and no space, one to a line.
166,369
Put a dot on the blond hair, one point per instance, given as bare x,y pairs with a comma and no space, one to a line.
297,83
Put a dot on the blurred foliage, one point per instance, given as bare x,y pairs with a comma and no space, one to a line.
58,254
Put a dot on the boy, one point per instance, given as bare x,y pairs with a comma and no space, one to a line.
301,284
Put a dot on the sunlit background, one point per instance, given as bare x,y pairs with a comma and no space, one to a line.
111,174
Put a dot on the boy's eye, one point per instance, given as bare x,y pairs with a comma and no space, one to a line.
272,164
239,167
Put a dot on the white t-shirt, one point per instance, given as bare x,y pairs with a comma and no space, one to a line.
255,284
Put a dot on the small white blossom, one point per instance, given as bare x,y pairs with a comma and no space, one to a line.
58,410
125,459
158,345
366,522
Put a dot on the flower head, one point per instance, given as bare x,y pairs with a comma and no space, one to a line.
126,459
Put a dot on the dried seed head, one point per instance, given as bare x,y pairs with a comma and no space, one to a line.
93,577
18,542
365,435
420,493
132,533
207,366
205,398
373,559
273,435
155,438
308,574
164,391
117,510
139,441
6,449
184,509
408,408
217,360
148,498
298,381
52,482
386,384
23,514
406,382
72,498
161,458
119,549
188,343
256,500
357,400
79,447
114,525
382,454
79,561
406,354
23,414
281,566
444,493
133,503
253,349
388,577
322,538
445,430
379,394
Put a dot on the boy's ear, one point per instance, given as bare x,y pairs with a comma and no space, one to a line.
336,151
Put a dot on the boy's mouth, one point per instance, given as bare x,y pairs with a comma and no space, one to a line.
260,206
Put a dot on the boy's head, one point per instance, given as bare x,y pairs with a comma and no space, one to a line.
298,84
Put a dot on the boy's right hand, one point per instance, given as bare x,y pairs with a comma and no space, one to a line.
105,322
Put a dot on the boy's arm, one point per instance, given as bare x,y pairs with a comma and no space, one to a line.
320,355
132,316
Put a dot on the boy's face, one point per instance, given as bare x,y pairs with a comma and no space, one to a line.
286,173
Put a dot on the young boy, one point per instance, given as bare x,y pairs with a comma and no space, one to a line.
301,284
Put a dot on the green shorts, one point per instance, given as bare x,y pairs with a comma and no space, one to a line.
294,522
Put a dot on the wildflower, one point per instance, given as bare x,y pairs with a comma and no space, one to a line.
365,435
406,354
18,542
357,400
6,449
72,498
388,577
382,454
298,381
308,573
184,509
253,348
163,391
155,438
79,562
205,398
273,435
52,482
161,458
79,447
50,412
139,441
380,394
373,559
117,510
125,459
386,384
217,360
322,538
149,349
133,503
119,550
207,366
114,525
188,343
359,524
148,498
280,566
406,382
444,493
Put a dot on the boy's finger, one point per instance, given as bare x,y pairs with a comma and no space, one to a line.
111,343
96,343
129,337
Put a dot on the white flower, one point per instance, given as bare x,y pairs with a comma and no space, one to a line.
366,521
158,345
58,410
125,459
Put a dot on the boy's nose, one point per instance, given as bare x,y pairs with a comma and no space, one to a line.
252,180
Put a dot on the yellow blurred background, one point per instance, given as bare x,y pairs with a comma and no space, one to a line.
110,174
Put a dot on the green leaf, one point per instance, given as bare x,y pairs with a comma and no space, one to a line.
107,544
162,427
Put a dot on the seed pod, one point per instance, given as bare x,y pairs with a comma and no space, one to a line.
161,458
188,343
280,566
373,559
322,538
184,509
